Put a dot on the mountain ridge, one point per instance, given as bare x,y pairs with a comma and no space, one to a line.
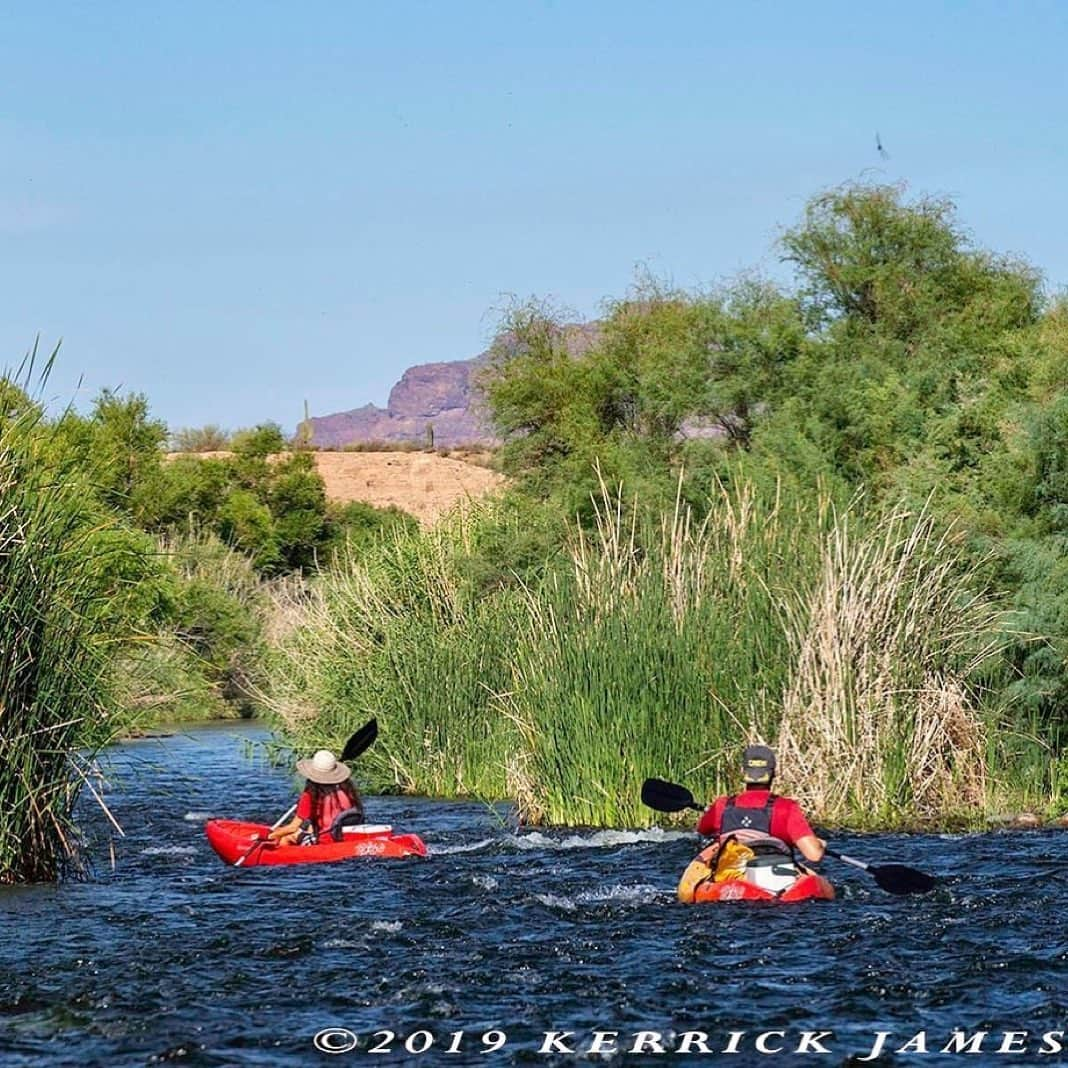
442,396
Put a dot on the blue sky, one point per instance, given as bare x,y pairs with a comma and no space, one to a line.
234,207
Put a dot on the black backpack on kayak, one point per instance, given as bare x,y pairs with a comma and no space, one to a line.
351,817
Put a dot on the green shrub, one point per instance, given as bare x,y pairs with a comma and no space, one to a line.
204,661
208,438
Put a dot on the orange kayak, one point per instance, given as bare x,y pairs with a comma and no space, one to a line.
804,888
744,876
234,840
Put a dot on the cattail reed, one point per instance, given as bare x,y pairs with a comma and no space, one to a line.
659,645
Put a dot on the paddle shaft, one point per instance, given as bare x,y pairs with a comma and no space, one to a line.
284,817
846,860
259,842
262,841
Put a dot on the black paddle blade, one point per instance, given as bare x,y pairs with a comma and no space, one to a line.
667,796
900,879
360,741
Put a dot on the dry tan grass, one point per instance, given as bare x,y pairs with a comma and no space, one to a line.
879,706
423,484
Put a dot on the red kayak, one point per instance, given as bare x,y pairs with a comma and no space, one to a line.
234,840
803,888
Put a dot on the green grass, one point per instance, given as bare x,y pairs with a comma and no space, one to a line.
394,632
652,644
656,648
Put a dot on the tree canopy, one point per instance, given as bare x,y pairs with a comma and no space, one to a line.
906,362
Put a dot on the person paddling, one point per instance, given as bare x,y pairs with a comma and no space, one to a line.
330,802
755,832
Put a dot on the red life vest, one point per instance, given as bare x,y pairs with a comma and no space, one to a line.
328,802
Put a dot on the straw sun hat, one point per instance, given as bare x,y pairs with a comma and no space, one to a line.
323,768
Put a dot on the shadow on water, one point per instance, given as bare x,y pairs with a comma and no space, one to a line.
173,957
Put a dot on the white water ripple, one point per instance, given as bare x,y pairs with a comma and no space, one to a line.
463,847
390,926
637,894
597,839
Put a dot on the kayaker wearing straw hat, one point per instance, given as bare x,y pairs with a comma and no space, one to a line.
753,831
330,801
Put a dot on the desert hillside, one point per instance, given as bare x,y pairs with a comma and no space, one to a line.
424,484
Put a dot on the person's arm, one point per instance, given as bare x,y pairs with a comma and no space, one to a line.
708,824
288,832
292,827
811,847
801,835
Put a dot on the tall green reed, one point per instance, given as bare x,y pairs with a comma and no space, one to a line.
396,632
658,647
64,573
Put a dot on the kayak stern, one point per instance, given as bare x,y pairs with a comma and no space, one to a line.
804,888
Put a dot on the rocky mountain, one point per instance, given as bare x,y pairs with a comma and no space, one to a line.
443,396
438,395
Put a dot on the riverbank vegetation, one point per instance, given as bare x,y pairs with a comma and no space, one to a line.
68,575
132,590
650,644
830,516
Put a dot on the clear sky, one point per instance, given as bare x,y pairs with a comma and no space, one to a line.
236,206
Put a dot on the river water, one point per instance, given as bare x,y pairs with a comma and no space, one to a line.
169,956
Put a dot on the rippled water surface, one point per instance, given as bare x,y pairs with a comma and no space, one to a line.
171,956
